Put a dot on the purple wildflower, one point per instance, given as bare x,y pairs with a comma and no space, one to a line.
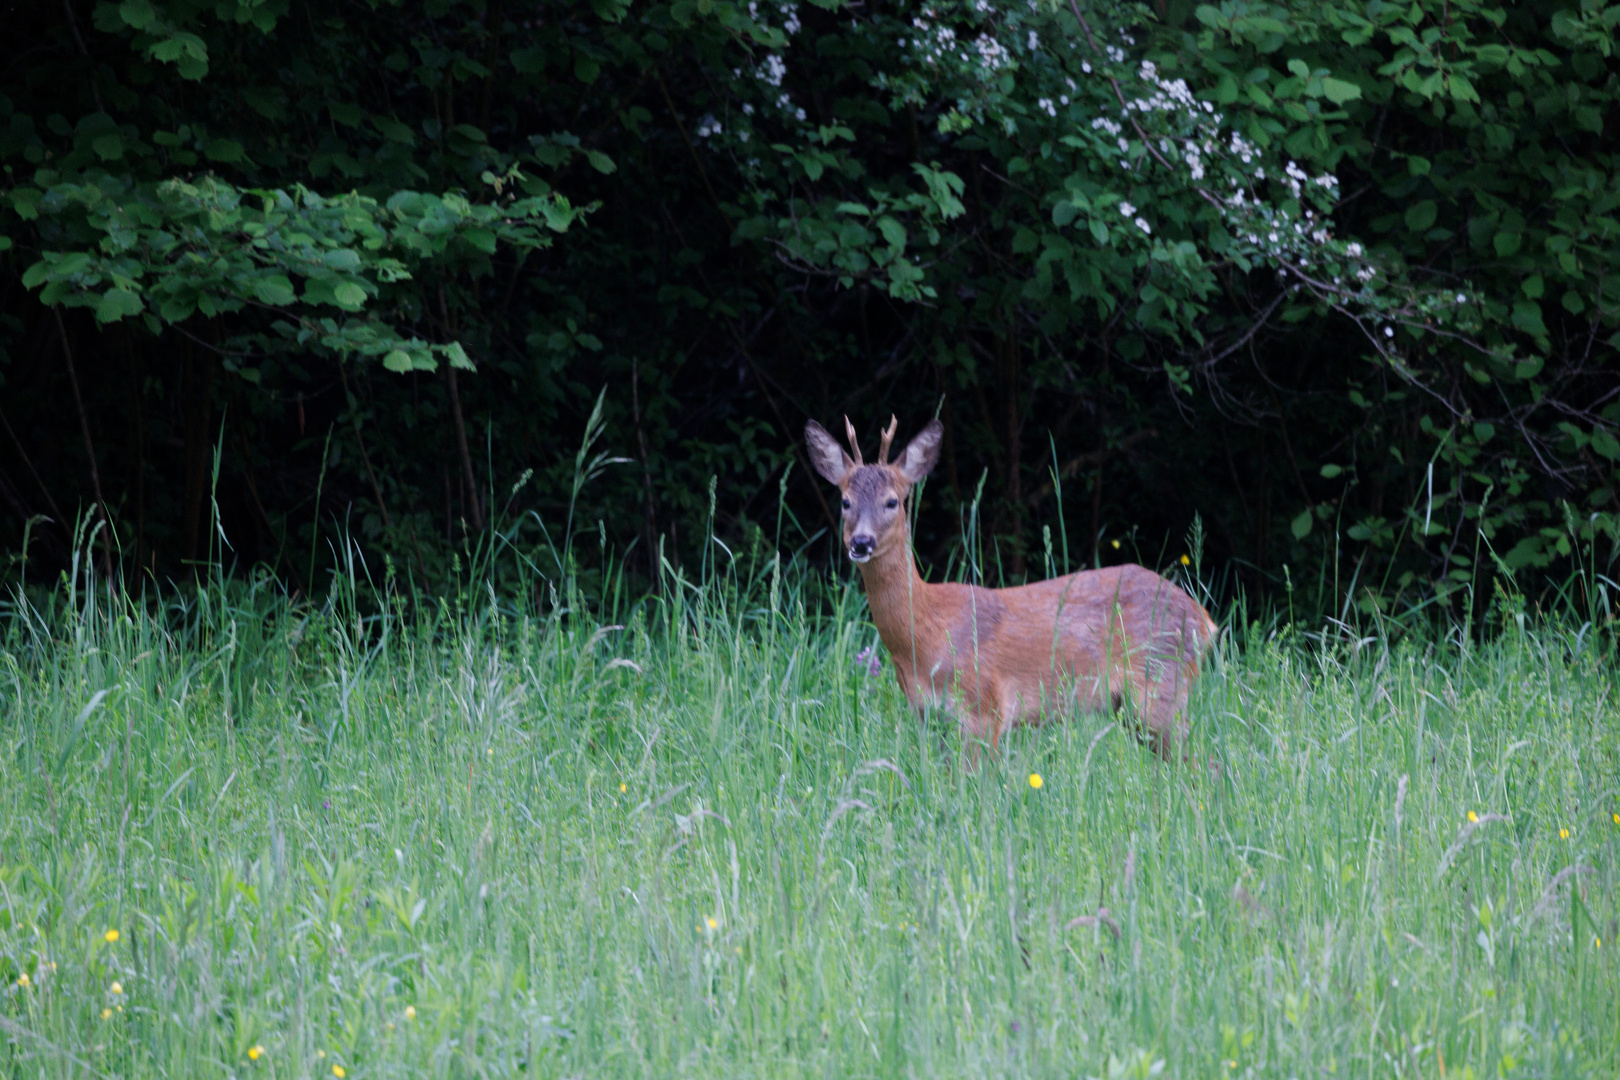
868,662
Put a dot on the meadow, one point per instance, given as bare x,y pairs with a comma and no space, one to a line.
701,834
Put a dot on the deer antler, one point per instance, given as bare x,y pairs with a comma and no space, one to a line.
854,443
888,438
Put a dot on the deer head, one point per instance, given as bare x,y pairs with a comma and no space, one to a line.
873,495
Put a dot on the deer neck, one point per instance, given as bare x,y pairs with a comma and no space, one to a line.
896,594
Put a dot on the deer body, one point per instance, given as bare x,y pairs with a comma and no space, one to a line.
1098,639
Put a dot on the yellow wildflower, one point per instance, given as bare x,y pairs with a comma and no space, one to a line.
24,981
117,987
1035,780
1563,834
106,1014
623,788
1115,543
110,936
1472,816
1186,561
338,1071
712,923
255,1053
410,1012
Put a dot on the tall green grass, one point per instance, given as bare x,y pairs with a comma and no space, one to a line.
693,835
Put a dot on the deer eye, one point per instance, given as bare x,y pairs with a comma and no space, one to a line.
846,502
892,503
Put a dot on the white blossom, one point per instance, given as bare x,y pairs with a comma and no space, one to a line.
992,53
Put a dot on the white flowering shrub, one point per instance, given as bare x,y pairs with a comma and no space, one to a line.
1135,189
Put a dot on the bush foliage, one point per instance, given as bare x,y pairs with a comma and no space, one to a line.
1337,277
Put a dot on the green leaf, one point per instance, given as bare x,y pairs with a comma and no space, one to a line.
1330,470
349,296
1301,526
893,231
225,151
117,303
277,289
393,130
25,201
1338,91
530,60
481,238
186,51
345,112
601,162
1421,215
108,147
38,274
1507,242
137,14
398,360
1527,317
457,356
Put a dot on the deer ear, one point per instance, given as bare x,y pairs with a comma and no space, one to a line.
922,453
826,455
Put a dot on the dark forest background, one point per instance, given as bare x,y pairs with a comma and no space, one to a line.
1337,278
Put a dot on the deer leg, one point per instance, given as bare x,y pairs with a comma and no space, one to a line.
979,724
1164,708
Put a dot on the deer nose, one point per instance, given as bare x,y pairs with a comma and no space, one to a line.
861,546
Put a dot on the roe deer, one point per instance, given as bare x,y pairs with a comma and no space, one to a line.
998,657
